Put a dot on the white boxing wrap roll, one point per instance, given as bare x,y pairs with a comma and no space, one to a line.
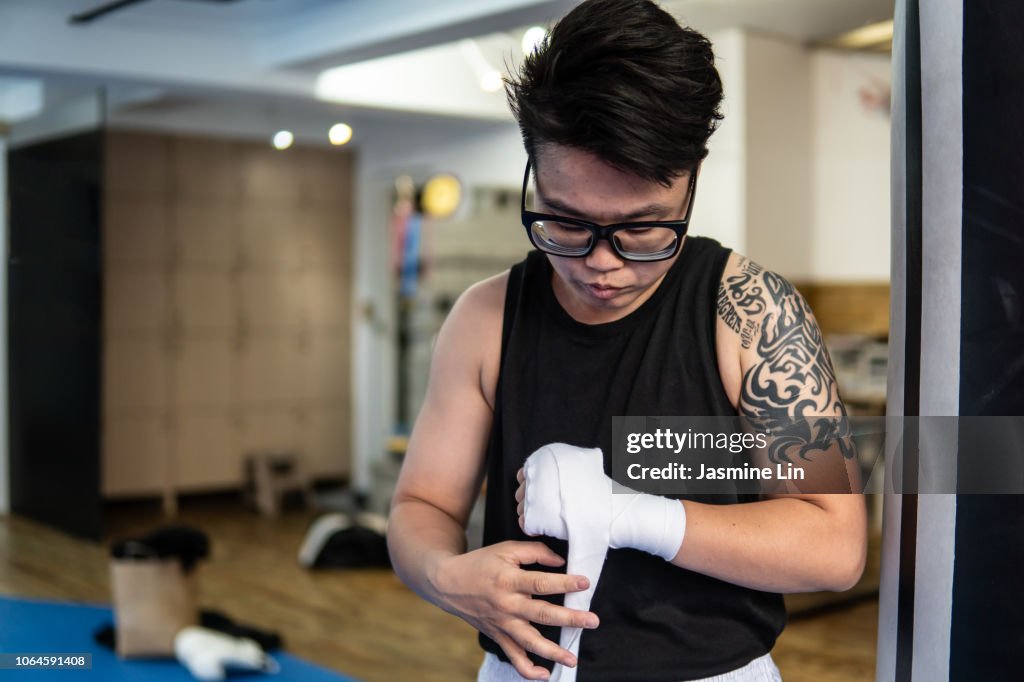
569,497
208,653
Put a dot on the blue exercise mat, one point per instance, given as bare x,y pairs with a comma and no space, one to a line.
30,626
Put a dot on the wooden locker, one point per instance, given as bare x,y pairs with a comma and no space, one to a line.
204,234
135,372
268,240
205,302
135,301
134,455
135,233
205,452
268,175
204,169
136,164
203,378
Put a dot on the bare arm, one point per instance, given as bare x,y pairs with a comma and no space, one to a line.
439,482
774,364
444,463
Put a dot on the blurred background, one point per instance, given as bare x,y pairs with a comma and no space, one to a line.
234,227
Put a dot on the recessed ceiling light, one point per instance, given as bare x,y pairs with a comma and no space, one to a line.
532,38
491,81
283,139
339,134
871,37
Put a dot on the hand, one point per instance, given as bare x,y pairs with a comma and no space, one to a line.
488,589
650,523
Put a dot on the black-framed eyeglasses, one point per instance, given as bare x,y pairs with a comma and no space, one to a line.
646,240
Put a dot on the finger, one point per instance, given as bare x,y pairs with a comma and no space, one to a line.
545,613
530,639
520,475
534,553
520,493
539,582
517,656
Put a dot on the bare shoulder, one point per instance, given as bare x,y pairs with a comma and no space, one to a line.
472,330
741,308
476,317
486,297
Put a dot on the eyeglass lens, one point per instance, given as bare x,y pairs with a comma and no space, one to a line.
568,239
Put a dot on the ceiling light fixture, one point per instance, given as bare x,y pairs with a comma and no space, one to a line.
873,37
489,78
283,139
533,38
339,134
491,81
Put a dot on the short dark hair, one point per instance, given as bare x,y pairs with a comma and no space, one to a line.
621,79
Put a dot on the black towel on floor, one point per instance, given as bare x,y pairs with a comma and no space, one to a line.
217,620
185,543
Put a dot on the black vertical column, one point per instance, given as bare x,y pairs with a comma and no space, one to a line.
987,634
54,327
911,88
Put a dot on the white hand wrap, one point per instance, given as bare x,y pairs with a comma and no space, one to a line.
568,496
650,523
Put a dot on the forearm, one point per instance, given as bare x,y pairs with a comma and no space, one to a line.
420,536
777,545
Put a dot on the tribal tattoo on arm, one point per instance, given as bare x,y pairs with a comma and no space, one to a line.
741,301
790,387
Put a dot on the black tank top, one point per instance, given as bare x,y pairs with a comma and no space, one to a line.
563,381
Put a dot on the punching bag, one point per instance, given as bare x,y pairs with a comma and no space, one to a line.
951,596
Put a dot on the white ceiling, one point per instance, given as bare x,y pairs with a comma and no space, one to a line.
801,20
402,55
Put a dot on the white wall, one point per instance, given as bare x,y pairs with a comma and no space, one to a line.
720,211
777,117
4,389
850,188
798,174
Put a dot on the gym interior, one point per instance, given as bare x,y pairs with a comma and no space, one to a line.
233,229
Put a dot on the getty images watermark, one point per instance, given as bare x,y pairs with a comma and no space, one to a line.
741,456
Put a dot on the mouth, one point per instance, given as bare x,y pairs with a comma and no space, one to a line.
603,292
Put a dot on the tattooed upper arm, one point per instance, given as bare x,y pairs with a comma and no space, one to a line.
788,383
741,302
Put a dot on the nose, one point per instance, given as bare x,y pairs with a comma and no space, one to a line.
603,258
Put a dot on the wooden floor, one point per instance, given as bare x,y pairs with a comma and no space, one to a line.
364,623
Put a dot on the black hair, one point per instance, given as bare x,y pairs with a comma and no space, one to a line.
621,79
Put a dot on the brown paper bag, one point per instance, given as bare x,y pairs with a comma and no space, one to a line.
153,600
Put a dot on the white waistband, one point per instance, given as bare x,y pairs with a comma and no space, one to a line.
761,669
